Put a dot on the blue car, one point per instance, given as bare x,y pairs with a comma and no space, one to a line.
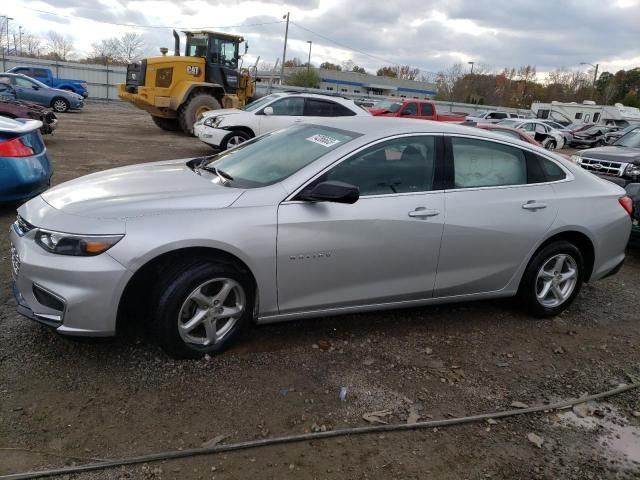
25,170
37,92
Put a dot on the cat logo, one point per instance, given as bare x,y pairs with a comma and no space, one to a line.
193,70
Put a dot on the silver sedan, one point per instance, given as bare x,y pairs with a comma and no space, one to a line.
349,216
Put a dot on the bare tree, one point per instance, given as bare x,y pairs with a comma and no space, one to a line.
104,51
446,81
30,44
59,46
131,47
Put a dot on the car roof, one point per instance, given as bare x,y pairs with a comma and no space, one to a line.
15,126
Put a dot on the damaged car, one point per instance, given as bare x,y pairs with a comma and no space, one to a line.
12,108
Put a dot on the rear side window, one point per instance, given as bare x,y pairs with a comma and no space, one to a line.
323,108
427,109
480,163
541,170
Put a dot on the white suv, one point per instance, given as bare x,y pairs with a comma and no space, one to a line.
229,127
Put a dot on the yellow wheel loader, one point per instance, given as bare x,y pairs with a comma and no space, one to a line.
176,90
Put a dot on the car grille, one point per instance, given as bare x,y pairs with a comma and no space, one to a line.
22,226
603,166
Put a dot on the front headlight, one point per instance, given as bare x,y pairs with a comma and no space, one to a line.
576,159
632,170
213,122
76,245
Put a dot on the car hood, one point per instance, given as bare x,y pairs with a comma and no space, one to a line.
613,153
147,189
223,111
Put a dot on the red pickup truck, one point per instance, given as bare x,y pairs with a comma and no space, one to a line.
411,108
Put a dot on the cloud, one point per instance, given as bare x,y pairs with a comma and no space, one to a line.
429,34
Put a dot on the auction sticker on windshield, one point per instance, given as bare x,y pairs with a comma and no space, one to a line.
323,140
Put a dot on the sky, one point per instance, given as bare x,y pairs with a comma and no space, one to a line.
428,34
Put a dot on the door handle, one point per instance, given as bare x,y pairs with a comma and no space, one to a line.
423,212
533,205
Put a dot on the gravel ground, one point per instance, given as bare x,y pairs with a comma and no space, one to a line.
63,402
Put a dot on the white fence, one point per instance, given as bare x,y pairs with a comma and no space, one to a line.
101,79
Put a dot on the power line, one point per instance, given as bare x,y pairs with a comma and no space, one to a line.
150,26
375,57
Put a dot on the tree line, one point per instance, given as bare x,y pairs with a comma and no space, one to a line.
56,46
520,87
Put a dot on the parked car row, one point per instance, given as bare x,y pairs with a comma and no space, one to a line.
25,88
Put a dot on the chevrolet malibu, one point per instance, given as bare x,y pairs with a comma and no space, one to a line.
353,215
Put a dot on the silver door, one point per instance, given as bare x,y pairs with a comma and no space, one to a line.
381,249
494,218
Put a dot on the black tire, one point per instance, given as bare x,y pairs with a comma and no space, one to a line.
193,107
60,104
235,136
168,124
172,292
527,292
550,145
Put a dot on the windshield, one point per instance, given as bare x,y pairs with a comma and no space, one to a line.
389,106
631,139
273,157
256,104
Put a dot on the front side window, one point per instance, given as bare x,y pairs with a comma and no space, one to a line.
410,109
23,82
39,72
273,157
401,165
480,163
388,106
288,106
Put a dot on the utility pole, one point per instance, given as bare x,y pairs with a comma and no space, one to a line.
595,74
20,37
309,61
471,63
284,50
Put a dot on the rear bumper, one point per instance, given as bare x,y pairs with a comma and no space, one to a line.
24,177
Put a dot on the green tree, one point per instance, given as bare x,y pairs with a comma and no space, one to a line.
305,78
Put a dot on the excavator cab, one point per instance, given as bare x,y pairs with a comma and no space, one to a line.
221,54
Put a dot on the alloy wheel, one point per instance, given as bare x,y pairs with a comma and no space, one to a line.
210,311
556,280
235,140
60,106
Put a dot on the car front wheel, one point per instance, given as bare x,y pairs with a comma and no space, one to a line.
234,139
60,105
552,279
200,307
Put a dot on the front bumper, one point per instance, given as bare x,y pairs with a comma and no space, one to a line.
578,143
85,290
210,135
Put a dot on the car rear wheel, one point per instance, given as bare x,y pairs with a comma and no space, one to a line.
550,145
552,279
234,139
200,307
60,105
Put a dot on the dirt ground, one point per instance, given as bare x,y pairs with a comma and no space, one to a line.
64,403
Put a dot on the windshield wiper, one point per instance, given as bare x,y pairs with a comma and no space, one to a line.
222,175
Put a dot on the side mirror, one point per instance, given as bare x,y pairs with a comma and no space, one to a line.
331,191
35,87
268,111
406,112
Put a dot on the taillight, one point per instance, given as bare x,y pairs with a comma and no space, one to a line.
15,148
627,204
